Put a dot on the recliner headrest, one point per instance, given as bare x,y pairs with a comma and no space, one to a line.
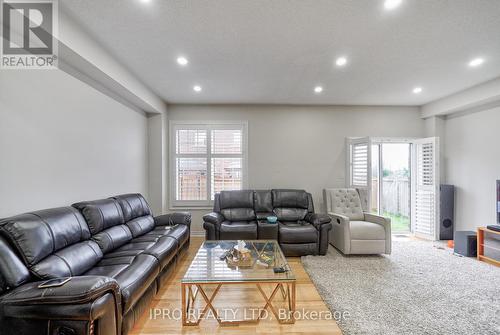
39,234
101,214
290,199
133,205
236,199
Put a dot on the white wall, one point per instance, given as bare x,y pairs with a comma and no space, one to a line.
157,152
303,146
62,141
472,158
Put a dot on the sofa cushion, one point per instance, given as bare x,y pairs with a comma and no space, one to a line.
135,279
112,238
238,230
133,206
133,274
163,250
290,199
237,205
68,262
236,199
263,201
156,244
238,214
290,214
129,249
180,232
346,202
363,230
152,236
116,261
13,272
39,234
108,270
141,225
101,214
263,204
290,205
290,232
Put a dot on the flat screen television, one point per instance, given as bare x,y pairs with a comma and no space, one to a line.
498,201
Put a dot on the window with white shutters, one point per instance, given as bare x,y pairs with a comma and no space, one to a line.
206,158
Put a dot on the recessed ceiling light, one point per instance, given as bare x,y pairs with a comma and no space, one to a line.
182,61
145,1
341,61
476,62
417,90
392,4
197,88
318,89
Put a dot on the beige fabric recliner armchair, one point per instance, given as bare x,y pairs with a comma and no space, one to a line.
354,231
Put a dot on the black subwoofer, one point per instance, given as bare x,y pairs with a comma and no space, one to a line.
466,243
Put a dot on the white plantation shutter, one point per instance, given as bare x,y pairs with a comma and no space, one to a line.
206,158
226,160
425,160
226,174
425,188
191,141
227,141
191,178
359,164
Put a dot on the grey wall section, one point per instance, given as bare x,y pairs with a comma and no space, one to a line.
157,152
472,157
303,146
62,141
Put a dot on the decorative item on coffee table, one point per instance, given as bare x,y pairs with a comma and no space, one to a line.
239,256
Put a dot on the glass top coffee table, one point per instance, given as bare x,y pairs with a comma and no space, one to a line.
208,270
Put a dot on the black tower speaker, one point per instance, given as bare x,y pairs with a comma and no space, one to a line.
447,212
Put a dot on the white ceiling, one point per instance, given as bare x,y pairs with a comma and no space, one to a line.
277,51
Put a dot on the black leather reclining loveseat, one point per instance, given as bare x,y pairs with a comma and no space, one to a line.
242,215
116,252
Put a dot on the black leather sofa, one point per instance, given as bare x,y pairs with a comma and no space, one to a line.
116,252
243,215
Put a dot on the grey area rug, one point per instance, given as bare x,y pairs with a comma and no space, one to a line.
421,288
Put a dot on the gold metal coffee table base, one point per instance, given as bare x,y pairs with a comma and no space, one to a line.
190,292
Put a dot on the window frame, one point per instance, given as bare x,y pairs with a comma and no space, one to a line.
174,125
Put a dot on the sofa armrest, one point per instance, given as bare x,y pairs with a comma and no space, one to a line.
211,224
340,236
386,223
214,217
81,304
78,290
317,219
322,222
339,218
381,220
172,219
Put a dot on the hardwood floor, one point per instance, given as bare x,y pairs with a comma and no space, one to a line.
168,300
